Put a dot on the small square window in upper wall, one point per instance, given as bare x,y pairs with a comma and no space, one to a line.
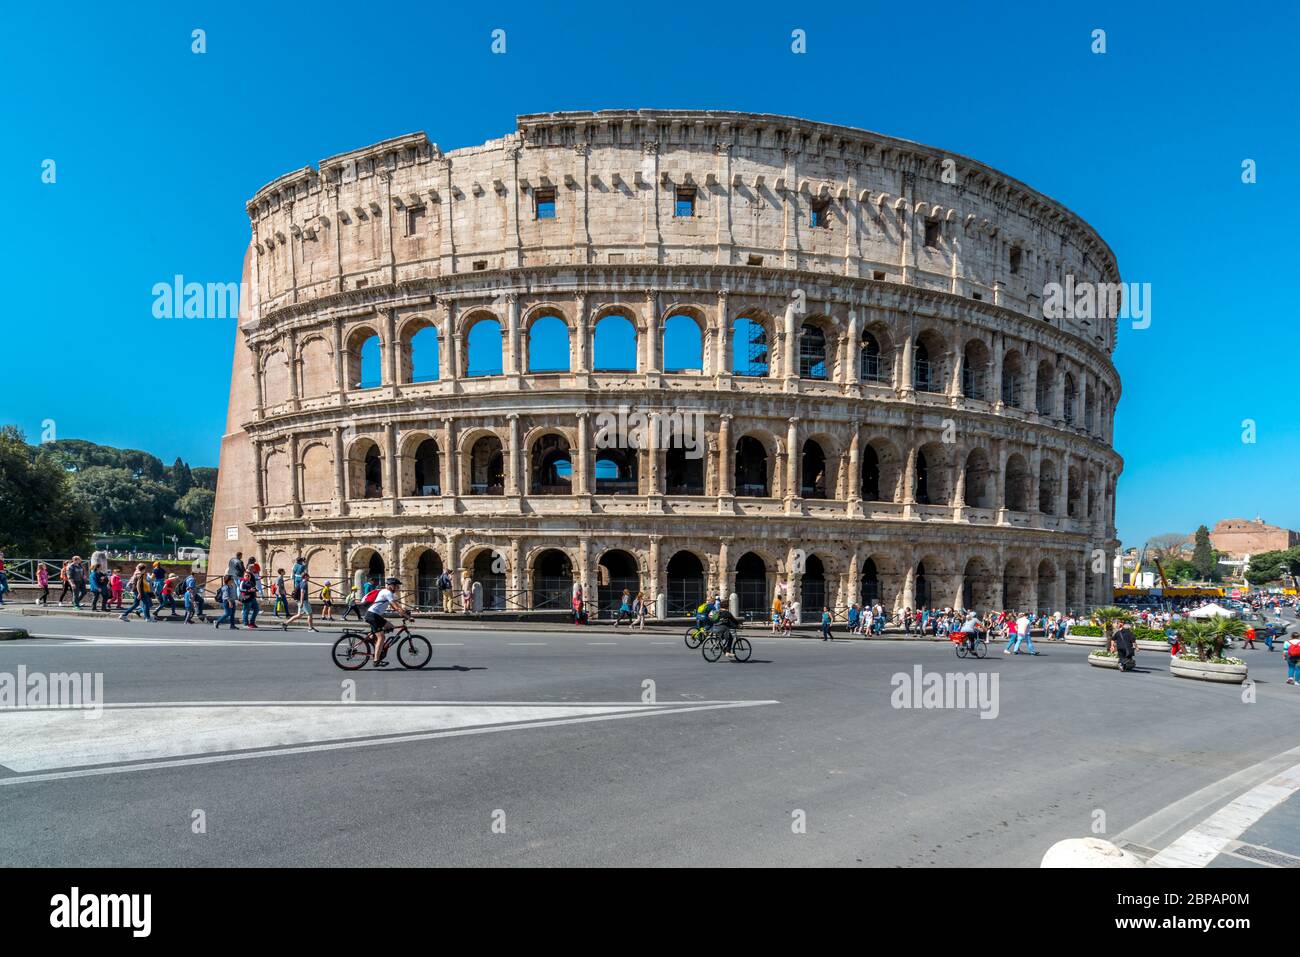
685,202
878,275
1015,260
480,265
932,233
821,213
414,214
545,204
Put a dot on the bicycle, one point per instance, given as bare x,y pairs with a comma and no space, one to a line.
355,648
695,636
714,644
977,646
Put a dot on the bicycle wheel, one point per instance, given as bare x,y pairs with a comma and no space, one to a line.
711,648
981,648
960,648
693,638
741,649
414,651
351,651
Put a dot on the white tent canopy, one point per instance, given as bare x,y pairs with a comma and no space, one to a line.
1212,611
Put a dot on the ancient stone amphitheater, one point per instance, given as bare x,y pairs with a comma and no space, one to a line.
840,335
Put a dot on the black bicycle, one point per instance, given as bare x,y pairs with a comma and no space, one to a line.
355,648
715,643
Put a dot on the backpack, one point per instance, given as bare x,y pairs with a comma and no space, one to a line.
1293,648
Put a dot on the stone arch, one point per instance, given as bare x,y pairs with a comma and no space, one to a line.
975,369
421,464
981,485
483,463
875,354
317,473
881,484
316,367
365,468
426,567
1017,586
550,578
1045,388
979,585
547,339
484,344
275,379
369,561
687,582
1047,486
486,566
279,478
931,475
420,349
684,472
816,348
363,350
615,471
615,340
686,331
1013,379
1016,483
616,569
1068,410
754,466
1045,592
814,593
929,355
752,336
753,579
550,463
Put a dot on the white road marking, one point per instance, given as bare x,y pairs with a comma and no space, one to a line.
594,643
47,744
1207,840
521,643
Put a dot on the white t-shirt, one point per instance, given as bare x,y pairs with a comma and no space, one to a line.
1022,625
380,605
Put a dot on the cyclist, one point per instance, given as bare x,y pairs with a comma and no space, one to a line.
970,631
725,623
386,600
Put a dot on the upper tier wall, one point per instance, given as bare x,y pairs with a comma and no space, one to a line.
403,209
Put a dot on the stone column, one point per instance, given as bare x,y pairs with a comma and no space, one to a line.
724,362
654,571
855,470
514,485
790,347
295,479
340,364
653,332
394,475
852,367
390,350
909,477
450,462
995,387
654,452
909,585
295,370
340,472
583,469
512,334
792,490
724,567
906,386
259,456
453,344
959,485
726,470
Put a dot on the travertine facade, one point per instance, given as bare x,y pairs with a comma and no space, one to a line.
1239,537
885,411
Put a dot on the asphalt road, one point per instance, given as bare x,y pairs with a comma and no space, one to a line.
599,778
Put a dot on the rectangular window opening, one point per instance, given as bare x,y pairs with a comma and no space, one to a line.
821,213
413,216
685,202
932,233
545,203
1015,260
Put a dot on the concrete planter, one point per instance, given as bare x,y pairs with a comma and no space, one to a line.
1072,639
1208,671
12,634
1100,661
1153,646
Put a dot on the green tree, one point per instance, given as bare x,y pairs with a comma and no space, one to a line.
195,509
1180,570
179,477
1204,557
1270,566
41,518
205,478
123,502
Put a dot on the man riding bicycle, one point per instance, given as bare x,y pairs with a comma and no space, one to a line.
385,601
725,623
970,631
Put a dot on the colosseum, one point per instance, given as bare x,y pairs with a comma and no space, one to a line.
825,350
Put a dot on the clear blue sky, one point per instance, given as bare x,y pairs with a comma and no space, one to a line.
157,150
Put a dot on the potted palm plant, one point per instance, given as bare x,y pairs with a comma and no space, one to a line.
1105,621
1202,655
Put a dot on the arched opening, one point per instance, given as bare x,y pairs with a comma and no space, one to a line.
974,370
428,469
370,564
922,590
552,468
1044,393
1089,408
617,571
548,345
420,358
1046,592
427,571
614,345
683,345
1047,487
872,364
552,580
927,370
685,584
751,468
364,360
1017,484
813,471
870,474
749,348
684,472
921,494
813,587
365,470
1067,400
483,347
489,573
317,361
616,472
487,467
374,473
812,353
1016,590
317,474
275,380
1071,590
979,480
751,586
1012,379
1072,498
977,586
869,584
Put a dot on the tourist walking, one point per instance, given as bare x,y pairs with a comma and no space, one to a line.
235,568
141,589
1292,650
193,599
826,623
63,580
446,592
77,579
625,609
167,597
43,583
303,587
115,586
281,602
327,601
248,595
98,585
350,604
1020,634
226,598
641,610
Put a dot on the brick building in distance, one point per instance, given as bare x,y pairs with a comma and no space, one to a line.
1238,537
